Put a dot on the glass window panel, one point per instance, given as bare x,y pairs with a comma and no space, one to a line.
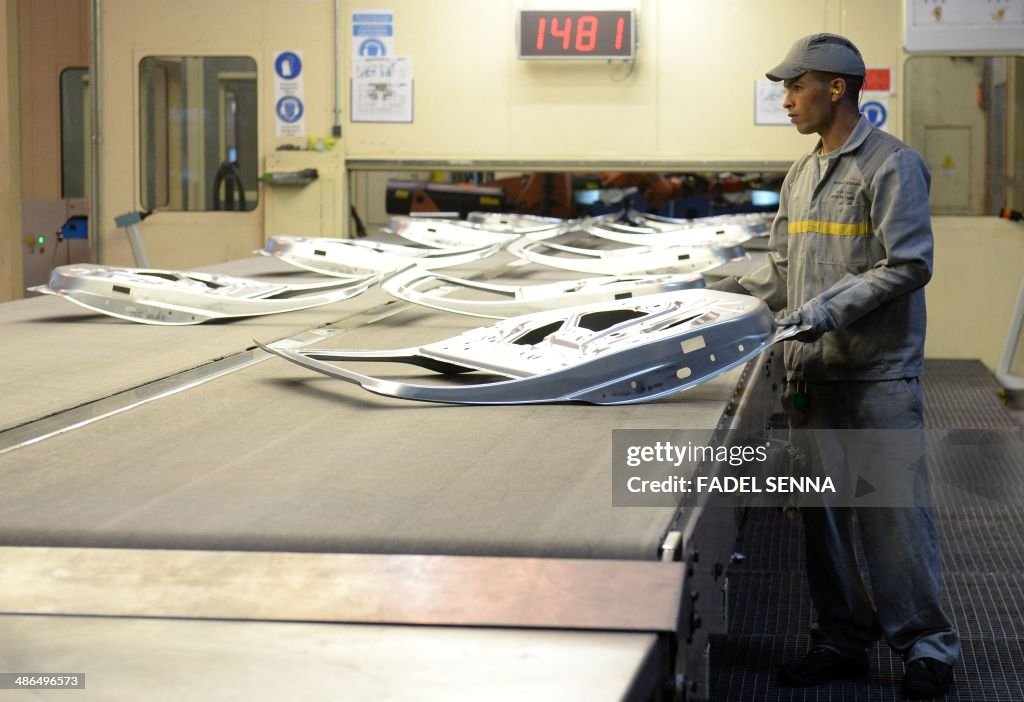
199,132
74,132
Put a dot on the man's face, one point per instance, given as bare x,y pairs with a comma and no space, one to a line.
808,103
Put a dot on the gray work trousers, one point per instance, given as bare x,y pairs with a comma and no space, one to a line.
899,543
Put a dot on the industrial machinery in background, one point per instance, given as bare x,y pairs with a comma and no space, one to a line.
571,195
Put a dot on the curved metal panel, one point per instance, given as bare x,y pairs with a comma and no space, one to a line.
348,258
609,353
634,260
165,297
479,299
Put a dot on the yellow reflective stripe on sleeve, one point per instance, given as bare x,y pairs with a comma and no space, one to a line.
804,226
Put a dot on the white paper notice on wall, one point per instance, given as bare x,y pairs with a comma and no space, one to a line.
382,89
289,95
964,25
768,97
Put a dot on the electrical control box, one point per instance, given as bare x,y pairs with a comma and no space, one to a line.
298,204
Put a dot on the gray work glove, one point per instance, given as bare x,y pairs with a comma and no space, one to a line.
730,284
813,315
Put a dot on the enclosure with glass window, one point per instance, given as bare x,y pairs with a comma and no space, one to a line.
199,132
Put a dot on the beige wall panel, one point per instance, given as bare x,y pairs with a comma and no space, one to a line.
571,110
689,99
55,36
133,29
712,54
10,178
876,26
461,54
979,263
949,128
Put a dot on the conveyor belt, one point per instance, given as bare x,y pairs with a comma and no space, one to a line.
267,457
271,457
979,507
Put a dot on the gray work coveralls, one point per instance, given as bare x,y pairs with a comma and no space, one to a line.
857,241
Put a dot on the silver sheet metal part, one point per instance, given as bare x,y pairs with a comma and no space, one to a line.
446,233
518,223
610,353
705,235
476,298
535,226
347,258
757,223
166,297
633,260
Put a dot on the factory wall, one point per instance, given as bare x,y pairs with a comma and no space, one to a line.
10,173
53,35
687,101
979,265
689,98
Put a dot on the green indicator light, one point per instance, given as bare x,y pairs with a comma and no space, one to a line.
41,240
800,401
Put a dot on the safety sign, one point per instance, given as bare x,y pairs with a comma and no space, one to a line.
875,112
373,33
289,109
289,95
288,65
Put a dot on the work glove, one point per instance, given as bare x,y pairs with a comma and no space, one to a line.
730,284
812,315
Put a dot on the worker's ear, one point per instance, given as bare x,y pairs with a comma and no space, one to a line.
837,87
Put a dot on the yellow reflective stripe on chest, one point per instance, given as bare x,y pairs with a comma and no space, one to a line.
804,226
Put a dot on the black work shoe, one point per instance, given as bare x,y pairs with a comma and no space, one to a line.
820,666
927,678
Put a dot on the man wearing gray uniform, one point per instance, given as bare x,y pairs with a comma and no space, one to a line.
850,253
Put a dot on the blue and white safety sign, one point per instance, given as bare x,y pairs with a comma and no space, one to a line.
289,97
373,33
287,65
875,112
289,109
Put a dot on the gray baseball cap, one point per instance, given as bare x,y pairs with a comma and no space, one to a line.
829,53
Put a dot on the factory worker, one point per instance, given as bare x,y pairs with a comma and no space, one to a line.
850,254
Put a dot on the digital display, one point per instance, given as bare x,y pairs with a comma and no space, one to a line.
576,34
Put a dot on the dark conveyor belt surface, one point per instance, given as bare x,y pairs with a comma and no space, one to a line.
267,458
977,473
272,457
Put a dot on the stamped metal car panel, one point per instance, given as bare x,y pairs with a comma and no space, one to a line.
481,299
609,353
166,297
757,223
348,258
703,235
633,260
446,233
518,223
